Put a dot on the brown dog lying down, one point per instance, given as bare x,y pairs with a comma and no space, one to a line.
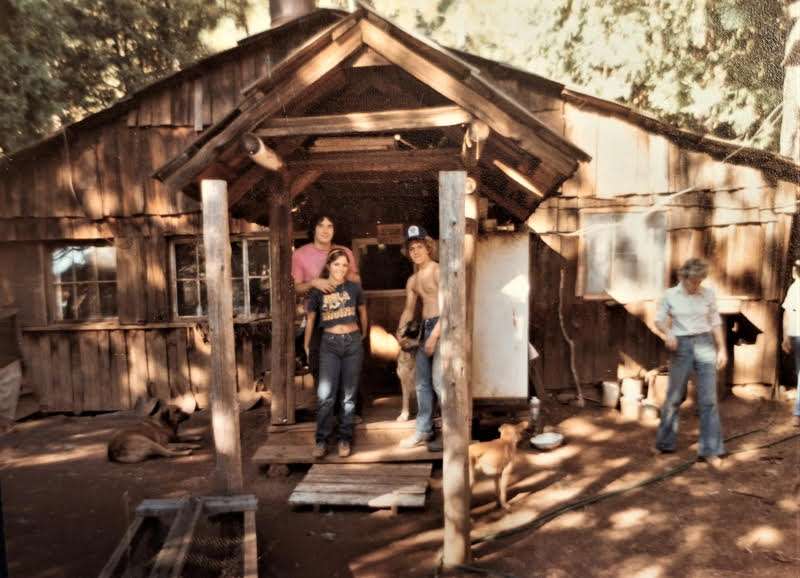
153,437
496,459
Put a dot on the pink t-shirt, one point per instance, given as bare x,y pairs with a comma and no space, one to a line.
308,262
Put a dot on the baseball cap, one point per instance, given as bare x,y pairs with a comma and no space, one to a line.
415,233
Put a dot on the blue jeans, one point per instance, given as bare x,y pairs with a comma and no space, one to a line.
796,352
696,352
426,386
340,358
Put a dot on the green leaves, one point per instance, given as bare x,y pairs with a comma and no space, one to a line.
61,60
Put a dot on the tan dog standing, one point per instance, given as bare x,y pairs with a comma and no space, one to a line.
154,436
496,459
407,367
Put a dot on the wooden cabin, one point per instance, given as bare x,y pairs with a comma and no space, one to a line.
101,235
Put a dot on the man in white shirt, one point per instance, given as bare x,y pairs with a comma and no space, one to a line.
692,330
791,331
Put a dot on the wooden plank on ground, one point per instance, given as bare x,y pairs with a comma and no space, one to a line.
157,367
122,549
364,454
172,557
250,546
119,385
377,486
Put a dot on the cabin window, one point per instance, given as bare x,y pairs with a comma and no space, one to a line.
249,273
623,255
84,282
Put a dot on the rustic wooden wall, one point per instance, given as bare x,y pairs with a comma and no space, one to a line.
101,370
735,217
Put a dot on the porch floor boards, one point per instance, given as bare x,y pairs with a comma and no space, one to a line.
375,440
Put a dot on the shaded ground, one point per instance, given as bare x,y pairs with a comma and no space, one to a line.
66,507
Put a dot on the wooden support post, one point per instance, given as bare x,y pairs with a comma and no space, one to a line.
223,399
470,249
455,396
282,360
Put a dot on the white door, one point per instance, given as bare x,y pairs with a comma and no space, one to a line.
500,322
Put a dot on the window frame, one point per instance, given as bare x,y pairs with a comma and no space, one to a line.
582,266
198,240
54,313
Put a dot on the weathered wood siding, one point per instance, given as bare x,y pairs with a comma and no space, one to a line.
734,217
101,370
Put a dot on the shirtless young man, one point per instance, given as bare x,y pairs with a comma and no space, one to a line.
423,284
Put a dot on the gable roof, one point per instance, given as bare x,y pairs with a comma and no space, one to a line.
556,158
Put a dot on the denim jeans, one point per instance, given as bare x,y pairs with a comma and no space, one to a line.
796,352
698,353
426,386
340,358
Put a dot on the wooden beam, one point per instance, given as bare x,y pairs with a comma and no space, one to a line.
302,181
322,63
509,205
383,121
369,58
261,154
482,107
245,183
282,307
455,396
223,398
379,161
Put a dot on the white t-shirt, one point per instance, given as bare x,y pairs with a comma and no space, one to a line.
792,307
691,314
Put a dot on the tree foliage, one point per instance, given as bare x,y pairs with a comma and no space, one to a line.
63,59
707,65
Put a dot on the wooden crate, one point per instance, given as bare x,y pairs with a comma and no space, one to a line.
159,540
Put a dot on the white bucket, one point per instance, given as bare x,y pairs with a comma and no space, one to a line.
610,393
630,408
632,387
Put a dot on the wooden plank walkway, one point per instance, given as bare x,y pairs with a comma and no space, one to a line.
374,485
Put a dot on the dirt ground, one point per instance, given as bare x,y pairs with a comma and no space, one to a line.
66,507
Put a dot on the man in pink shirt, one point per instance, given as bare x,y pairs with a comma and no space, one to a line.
308,260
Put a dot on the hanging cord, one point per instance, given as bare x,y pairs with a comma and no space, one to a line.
570,342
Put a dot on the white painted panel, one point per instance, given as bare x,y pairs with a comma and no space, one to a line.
500,324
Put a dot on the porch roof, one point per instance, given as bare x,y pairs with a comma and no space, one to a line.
533,159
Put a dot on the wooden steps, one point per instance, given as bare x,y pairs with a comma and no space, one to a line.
376,439
376,486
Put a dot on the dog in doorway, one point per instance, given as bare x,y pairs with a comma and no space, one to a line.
495,459
155,436
407,366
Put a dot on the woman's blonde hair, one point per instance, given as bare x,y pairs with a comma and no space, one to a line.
693,267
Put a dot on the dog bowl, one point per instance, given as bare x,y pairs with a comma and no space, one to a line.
547,440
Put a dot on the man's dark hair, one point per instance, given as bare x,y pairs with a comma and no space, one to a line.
316,221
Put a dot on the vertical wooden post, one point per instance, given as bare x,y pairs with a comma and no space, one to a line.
282,308
223,400
470,249
452,358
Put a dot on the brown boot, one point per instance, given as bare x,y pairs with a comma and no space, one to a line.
344,449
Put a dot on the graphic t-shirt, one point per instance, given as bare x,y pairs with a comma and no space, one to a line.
338,307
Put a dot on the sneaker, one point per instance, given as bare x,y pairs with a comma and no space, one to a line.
320,449
435,445
714,462
415,440
344,449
